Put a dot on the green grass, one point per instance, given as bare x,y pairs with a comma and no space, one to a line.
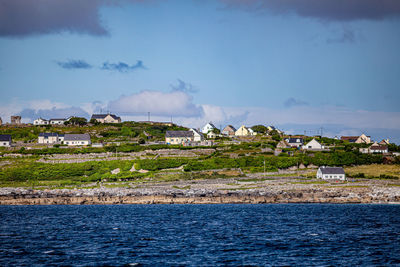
311,182
182,188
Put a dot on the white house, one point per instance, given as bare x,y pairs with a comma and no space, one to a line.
211,135
294,142
5,140
244,131
375,148
77,139
57,121
40,121
106,118
178,137
331,173
50,138
197,136
207,128
313,145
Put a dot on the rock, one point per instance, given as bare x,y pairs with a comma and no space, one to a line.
143,171
116,171
133,169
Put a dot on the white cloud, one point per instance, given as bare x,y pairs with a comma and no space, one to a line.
175,103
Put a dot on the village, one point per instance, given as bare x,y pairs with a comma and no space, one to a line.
207,136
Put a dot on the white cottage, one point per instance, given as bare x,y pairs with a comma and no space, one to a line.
50,138
77,139
57,121
313,145
327,173
5,140
40,121
197,136
207,128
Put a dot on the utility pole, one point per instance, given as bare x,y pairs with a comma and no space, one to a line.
321,131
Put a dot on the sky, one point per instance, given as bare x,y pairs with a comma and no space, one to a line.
305,66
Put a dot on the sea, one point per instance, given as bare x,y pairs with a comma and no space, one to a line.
200,235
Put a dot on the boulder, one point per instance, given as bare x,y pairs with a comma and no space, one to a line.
116,171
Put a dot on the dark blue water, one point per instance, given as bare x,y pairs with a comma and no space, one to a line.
200,235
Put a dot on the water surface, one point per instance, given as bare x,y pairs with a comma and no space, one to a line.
200,235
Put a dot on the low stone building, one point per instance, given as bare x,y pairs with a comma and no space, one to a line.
178,137
229,130
327,173
77,139
5,140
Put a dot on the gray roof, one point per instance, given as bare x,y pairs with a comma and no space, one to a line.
58,119
48,134
332,170
5,137
102,116
294,140
179,134
76,137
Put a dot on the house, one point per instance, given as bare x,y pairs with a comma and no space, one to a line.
197,135
313,145
211,135
207,128
5,140
244,131
77,139
106,118
229,130
331,173
295,142
362,139
41,121
375,148
273,128
50,138
15,120
383,142
178,137
283,144
57,121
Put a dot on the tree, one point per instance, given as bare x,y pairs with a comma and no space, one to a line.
78,121
259,129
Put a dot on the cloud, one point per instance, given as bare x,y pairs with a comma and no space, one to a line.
122,67
326,10
19,18
53,113
175,103
74,64
292,102
184,87
22,18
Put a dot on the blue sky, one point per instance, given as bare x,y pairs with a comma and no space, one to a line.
300,65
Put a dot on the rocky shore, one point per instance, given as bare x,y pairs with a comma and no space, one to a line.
284,190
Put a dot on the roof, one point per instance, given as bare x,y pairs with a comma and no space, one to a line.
48,134
378,147
58,119
195,131
5,137
331,170
293,140
229,128
179,134
76,137
349,138
102,116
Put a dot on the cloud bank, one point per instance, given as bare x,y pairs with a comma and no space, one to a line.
175,103
326,10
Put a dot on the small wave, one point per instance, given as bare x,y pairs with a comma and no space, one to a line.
48,252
